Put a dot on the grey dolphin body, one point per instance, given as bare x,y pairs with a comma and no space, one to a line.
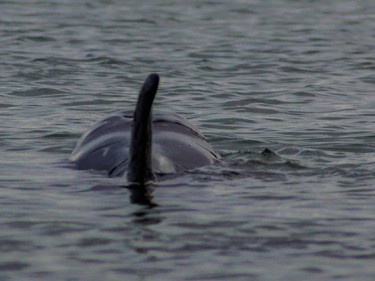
174,144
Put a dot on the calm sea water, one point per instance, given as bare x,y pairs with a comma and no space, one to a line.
296,77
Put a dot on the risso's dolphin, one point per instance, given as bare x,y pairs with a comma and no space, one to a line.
141,144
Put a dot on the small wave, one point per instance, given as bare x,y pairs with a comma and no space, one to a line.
39,92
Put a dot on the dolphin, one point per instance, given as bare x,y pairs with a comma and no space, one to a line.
143,144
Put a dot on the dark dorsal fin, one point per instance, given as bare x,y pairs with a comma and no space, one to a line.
140,165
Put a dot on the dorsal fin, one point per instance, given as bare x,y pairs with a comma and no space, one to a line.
140,151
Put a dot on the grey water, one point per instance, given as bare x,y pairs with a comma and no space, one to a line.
284,90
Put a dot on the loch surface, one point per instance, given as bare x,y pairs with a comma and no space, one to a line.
295,77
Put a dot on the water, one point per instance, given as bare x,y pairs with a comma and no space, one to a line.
296,77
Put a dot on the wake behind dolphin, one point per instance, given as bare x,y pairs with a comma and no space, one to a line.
141,144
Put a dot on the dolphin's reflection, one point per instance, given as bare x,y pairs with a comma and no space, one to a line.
141,195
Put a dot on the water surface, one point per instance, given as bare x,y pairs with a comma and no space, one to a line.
296,77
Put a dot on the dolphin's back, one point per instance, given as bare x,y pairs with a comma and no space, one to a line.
177,145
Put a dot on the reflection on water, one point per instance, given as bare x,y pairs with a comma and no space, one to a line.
141,195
